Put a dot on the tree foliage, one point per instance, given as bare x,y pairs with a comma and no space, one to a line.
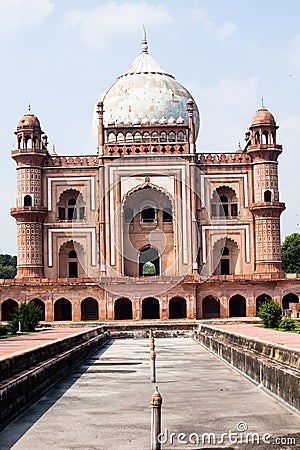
270,313
8,266
29,314
290,251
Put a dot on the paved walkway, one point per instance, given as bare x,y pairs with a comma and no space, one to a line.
289,340
23,343
104,404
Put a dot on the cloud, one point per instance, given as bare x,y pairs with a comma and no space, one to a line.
218,32
226,109
18,15
96,26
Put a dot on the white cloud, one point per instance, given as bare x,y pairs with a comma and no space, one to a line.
96,26
226,110
218,32
17,15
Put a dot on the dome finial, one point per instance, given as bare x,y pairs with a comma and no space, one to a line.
29,108
262,103
144,46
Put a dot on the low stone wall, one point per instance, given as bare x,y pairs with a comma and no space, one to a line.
24,387
272,366
22,361
160,329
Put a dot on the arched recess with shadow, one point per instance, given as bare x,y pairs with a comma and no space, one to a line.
150,308
41,304
7,309
260,300
237,306
177,308
62,309
89,309
210,307
123,309
289,298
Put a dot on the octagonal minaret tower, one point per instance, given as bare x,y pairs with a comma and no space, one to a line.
29,211
266,208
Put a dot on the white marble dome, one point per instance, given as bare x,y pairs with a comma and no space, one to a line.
146,92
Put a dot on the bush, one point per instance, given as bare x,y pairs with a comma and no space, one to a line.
287,323
28,314
3,331
270,313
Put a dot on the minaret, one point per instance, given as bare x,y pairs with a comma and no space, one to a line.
29,212
266,208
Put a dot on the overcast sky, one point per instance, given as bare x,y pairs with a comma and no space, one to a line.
60,56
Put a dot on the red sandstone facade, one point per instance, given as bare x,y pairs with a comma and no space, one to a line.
147,227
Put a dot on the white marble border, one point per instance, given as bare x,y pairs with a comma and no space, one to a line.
72,231
226,175
154,168
75,178
225,227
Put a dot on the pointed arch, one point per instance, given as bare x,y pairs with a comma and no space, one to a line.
149,261
71,260
41,305
62,310
237,306
71,205
225,254
177,308
224,202
210,307
7,309
289,298
148,185
89,309
261,299
150,308
123,309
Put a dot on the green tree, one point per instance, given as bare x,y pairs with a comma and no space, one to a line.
290,251
270,313
28,314
8,266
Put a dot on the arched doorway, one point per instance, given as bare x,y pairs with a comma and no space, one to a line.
148,233
237,306
123,309
62,309
225,257
261,299
7,309
210,307
89,309
150,308
72,260
177,308
289,298
41,304
149,264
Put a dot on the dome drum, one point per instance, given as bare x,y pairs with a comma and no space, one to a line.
146,139
144,97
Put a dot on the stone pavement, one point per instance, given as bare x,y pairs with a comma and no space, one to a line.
25,342
104,404
289,340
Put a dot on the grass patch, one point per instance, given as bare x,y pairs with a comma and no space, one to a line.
295,330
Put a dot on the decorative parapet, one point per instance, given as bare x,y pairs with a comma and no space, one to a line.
224,158
72,161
